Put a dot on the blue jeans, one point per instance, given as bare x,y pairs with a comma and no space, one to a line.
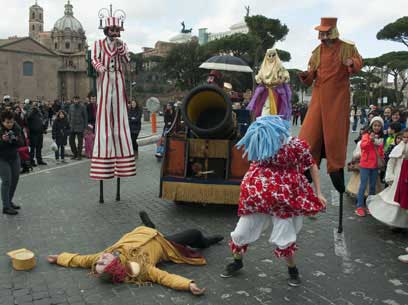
354,127
60,152
366,175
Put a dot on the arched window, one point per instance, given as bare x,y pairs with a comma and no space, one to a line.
80,46
67,45
28,68
33,27
40,16
33,15
56,46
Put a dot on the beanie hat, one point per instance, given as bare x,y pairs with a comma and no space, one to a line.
378,119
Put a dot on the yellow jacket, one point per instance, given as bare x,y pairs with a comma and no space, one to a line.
147,247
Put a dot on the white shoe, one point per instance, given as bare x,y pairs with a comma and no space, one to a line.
58,161
403,258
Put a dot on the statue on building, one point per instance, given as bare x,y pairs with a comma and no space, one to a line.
184,30
247,8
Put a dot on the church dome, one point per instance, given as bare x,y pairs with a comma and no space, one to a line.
68,22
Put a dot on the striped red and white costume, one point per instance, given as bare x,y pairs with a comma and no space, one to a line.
113,154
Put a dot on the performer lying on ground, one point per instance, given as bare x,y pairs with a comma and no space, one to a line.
274,190
134,257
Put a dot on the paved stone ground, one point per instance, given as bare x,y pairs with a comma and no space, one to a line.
60,213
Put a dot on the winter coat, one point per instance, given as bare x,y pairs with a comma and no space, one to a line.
327,119
135,119
8,149
35,121
60,131
78,118
368,152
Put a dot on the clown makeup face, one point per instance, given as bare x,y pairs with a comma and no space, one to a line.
324,37
104,260
113,32
271,54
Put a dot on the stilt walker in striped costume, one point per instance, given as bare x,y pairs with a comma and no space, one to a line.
113,154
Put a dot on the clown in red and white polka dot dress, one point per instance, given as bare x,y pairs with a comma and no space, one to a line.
276,192
112,154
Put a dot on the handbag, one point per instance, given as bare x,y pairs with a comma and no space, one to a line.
380,161
54,146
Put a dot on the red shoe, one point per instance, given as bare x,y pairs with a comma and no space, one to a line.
360,212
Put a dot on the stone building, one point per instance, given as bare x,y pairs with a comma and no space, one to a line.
46,65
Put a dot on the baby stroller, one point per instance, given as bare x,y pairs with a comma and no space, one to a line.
24,153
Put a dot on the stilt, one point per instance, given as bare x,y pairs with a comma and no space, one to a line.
101,191
340,229
118,189
337,179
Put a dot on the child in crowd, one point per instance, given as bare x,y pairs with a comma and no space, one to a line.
60,132
371,153
89,138
393,129
391,205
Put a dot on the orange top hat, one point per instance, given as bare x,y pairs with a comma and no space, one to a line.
326,23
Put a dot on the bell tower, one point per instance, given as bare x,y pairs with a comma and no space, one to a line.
36,20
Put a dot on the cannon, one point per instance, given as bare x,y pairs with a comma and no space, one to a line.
201,163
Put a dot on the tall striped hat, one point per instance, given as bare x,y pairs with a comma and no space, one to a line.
113,22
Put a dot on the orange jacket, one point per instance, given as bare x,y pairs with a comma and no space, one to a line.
368,155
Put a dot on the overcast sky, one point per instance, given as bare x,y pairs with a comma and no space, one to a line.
151,20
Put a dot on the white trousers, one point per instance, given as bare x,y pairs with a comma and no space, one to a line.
250,227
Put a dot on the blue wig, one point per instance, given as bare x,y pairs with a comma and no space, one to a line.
264,137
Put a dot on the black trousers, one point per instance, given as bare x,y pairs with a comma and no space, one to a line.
76,150
36,144
192,238
134,141
9,174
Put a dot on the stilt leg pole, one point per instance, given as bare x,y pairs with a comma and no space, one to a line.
118,189
101,191
340,229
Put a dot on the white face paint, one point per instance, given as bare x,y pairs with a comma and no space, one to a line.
104,260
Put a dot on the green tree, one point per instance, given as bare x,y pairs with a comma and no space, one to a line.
267,32
396,31
182,65
396,65
138,61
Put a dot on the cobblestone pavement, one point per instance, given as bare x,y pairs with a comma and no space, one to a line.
61,213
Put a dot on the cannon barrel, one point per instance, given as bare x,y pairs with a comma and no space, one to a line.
207,111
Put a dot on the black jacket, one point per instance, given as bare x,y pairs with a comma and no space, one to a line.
60,131
35,121
135,119
8,149
78,117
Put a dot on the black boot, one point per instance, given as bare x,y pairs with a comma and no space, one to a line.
215,239
294,279
9,211
232,268
146,220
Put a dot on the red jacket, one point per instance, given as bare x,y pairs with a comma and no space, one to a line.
368,155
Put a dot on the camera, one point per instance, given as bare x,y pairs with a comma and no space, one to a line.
12,137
